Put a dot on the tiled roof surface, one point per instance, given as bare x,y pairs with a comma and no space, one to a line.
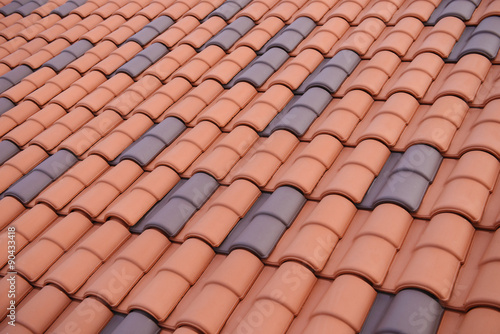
250,166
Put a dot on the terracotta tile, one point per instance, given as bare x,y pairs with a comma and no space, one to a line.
445,239
47,52
21,52
162,98
11,208
462,186
383,10
229,104
86,9
180,266
4,69
79,89
58,238
135,258
200,63
188,147
195,100
108,90
340,117
482,319
122,136
72,272
263,32
203,8
38,26
324,37
416,77
177,31
92,57
483,10
284,291
316,9
421,10
462,80
488,90
353,172
201,34
17,115
9,20
179,8
225,153
307,166
347,9
435,125
81,140
71,183
386,121
29,84
153,9
41,310
90,315
23,288
256,9
34,125
143,195
163,68
60,27
342,306
28,226
53,86
230,65
284,10
11,46
104,28
106,9
118,57
17,26
126,30
230,282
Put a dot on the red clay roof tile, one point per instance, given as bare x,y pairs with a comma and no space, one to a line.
118,57
260,34
230,65
29,84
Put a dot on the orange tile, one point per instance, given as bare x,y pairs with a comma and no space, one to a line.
204,32
230,65
353,172
346,9
17,115
143,195
398,39
73,182
9,47
23,288
22,52
188,147
108,90
122,136
483,10
59,238
225,153
117,58
96,34
229,104
29,84
324,37
126,30
284,10
53,86
81,140
177,31
154,8
86,9
383,10
60,27
482,319
17,26
167,65
107,8
256,9
46,53
38,26
179,8
92,57
260,34
421,10
79,89
11,208
316,9
462,80
163,98
200,63
360,38
46,9
71,272
203,8
9,20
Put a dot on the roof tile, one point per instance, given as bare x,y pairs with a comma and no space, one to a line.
151,30
256,9
324,37
104,28
400,38
117,58
203,8
143,60
126,30
79,89
103,94
200,63
177,31
463,10
92,57
226,38
260,34
285,9
201,34
483,319
230,65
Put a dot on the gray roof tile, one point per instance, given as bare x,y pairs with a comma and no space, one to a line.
30,185
259,70
7,150
13,77
135,322
291,36
462,9
113,323
153,141
5,105
404,179
68,55
229,8
335,71
483,39
143,60
67,7
377,311
226,38
179,205
11,7
277,119
265,223
26,9
151,30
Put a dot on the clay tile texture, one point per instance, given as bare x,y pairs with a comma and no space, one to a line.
250,166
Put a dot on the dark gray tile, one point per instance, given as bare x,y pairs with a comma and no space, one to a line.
377,311
143,60
65,9
157,138
136,322
226,38
13,77
10,8
266,222
173,212
30,185
462,9
262,67
229,8
5,105
310,78
404,179
151,30
113,323
295,33
7,150
277,119
335,71
68,55
26,9
411,312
